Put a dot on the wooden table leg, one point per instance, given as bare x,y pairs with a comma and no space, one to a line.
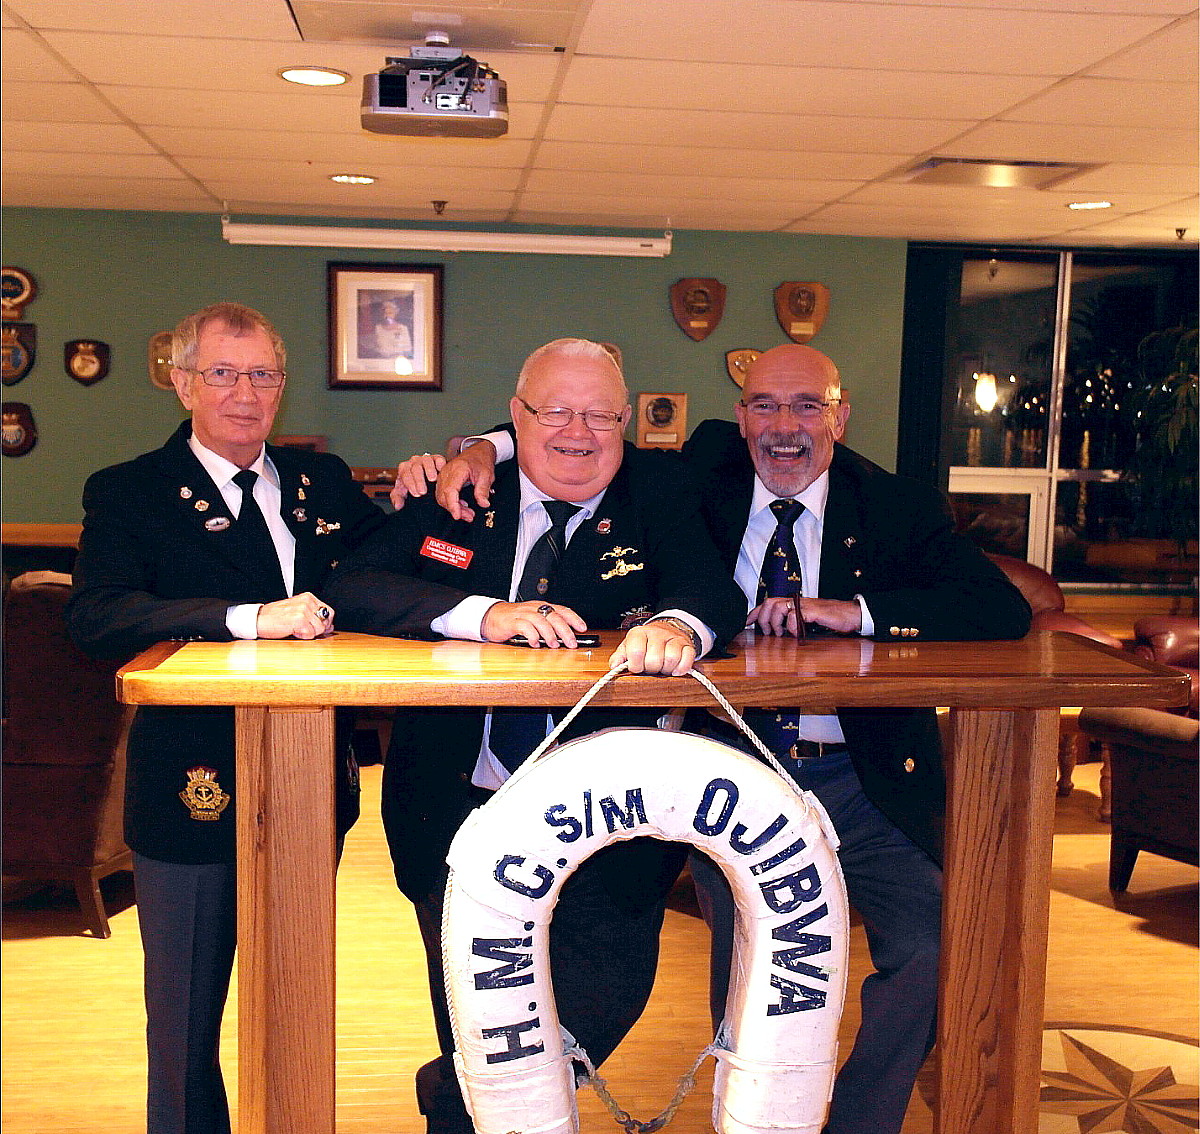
999,839
286,862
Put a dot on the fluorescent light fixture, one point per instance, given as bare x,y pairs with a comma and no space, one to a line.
314,76
434,240
352,179
1090,205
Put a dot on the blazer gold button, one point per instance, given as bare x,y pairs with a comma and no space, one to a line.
910,765
895,631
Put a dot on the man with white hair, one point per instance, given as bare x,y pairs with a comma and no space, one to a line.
582,532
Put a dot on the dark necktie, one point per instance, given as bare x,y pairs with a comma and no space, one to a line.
780,576
254,537
517,732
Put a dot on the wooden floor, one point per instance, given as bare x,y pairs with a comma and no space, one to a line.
72,1046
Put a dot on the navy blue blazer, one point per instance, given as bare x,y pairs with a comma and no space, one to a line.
156,564
892,540
645,550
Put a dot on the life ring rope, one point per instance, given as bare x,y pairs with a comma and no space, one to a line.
552,738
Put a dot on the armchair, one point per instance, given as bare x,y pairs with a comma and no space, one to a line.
64,750
1048,604
1154,799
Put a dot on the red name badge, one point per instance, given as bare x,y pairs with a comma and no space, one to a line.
445,552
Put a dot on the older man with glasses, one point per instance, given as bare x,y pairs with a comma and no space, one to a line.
583,532
213,537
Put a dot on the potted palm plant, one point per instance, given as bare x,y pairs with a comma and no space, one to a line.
1162,472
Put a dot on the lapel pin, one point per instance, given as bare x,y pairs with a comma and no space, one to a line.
300,494
201,505
217,523
604,527
185,493
850,541
324,527
305,481
300,515
489,519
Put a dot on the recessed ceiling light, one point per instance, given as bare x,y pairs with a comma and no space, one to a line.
314,76
352,179
1090,205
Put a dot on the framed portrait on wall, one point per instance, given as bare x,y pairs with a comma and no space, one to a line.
385,326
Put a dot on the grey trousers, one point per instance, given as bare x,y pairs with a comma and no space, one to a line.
188,919
897,891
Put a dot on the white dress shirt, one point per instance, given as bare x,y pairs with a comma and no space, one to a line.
807,532
465,620
242,620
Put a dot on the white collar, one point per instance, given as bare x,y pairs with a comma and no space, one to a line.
531,494
223,470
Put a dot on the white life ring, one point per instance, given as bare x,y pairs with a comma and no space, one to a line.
773,843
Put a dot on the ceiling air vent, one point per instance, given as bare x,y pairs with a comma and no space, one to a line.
986,173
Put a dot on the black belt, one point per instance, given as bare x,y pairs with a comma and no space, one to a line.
811,749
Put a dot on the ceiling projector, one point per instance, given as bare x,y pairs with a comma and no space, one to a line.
437,92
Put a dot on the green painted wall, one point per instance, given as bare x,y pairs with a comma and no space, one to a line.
120,277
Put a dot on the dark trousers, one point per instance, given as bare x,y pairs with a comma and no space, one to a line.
188,919
897,890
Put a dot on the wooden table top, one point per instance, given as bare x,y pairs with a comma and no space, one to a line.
41,535
1040,671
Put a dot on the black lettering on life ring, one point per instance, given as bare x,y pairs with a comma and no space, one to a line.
544,877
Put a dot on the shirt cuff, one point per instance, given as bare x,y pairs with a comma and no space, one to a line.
505,449
242,621
867,629
707,637
465,620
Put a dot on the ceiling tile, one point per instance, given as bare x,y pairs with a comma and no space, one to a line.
475,27
27,60
683,161
315,174
243,195
1113,102
93,164
370,151
253,65
1122,178
681,188
737,131
46,191
1031,142
1170,54
54,102
854,34
807,90
220,19
74,137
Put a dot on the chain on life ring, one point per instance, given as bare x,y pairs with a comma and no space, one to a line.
776,1057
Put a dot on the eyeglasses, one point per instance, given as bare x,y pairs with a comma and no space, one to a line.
228,376
559,416
804,408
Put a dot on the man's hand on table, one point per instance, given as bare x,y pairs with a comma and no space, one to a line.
541,623
301,616
656,648
778,616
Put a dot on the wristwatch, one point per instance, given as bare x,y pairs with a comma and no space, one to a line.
683,628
